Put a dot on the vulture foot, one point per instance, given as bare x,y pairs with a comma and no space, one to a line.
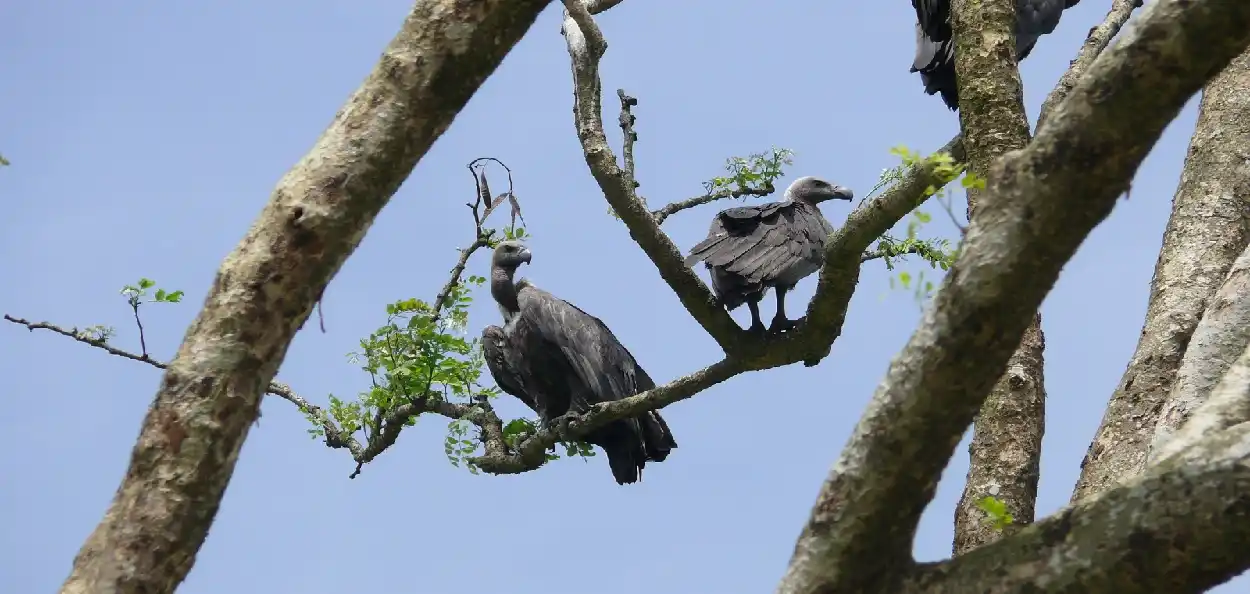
560,426
780,325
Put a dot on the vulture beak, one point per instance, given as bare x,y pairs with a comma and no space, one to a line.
841,193
525,255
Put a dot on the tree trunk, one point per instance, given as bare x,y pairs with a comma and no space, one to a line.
210,394
1007,436
1209,227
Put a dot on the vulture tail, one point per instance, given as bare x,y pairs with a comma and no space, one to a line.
656,436
626,452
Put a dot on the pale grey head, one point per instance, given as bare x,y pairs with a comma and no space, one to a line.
814,190
509,255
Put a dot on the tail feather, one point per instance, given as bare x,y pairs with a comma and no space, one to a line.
656,436
626,453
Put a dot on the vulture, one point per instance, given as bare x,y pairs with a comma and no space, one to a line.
558,359
935,44
751,248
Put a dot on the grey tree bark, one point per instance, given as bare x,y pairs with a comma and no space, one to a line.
266,288
1208,228
1006,444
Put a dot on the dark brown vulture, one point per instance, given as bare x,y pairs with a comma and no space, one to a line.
752,248
558,359
935,44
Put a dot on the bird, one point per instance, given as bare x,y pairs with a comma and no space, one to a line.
560,360
749,249
935,44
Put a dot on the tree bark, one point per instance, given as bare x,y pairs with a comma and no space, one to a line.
1007,437
265,289
1040,205
1208,228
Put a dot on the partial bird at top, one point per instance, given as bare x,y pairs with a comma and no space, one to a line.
750,249
558,359
935,44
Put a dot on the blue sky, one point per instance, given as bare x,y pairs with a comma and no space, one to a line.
145,137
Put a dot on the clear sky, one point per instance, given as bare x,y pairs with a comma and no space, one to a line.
145,137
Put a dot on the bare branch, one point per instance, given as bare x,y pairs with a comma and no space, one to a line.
334,437
1208,228
676,207
1040,204
1218,341
266,288
1006,449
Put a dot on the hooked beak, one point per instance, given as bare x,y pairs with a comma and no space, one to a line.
841,193
525,255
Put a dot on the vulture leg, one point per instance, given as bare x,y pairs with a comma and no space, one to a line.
780,323
757,325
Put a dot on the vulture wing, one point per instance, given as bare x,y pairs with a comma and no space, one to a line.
762,243
603,368
495,349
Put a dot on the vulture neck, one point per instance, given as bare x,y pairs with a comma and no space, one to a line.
504,291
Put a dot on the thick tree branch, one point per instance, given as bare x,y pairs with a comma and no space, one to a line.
1208,228
1006,449
266,288
812,340
1178,528
1040,204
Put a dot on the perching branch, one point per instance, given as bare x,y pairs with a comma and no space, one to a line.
1040,204
266,288
811,341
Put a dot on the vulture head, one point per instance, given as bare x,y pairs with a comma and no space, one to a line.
509,255
814,190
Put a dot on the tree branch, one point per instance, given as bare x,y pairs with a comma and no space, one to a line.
1040,204
676,207
529,453
1006,449
1178,528
1095,42
1218,341
1208,228
811,341
266,288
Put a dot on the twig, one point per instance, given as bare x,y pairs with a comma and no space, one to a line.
1097,40
673,208
143,343
334,437
878,254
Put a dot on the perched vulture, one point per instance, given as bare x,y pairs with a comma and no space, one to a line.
751,248
557,359
935,44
